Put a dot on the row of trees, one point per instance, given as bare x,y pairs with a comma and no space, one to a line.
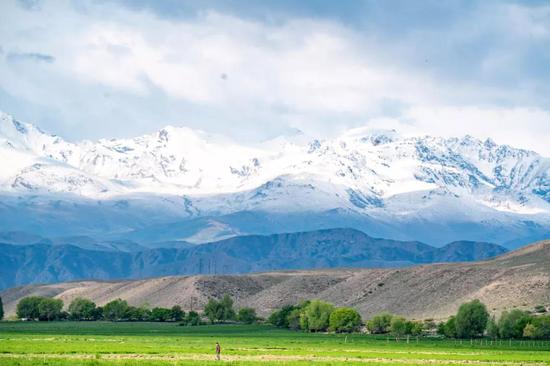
473,320
46,308
223,311
316,316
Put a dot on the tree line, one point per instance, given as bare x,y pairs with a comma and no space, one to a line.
472,319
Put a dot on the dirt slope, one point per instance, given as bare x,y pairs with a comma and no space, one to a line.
518,279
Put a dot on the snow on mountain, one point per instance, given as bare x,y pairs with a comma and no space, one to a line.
378,174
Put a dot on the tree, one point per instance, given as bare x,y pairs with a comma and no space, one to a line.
1,309
448,328
471,319
380,323
315,316
344,320
193,318
279,318
219,311
82,309
541,326
160,314
492,328
27,307
511,324
293,319
398,326
50,309
247,315
176,313
116,310
530,331
415,328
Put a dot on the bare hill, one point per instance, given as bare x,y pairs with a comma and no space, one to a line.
518,279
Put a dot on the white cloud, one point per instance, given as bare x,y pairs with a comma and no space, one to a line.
236,76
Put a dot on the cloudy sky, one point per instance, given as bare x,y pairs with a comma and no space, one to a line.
253,70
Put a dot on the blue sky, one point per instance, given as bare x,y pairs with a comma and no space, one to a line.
253,70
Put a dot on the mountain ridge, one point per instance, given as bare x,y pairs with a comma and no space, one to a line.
45,262
515,280
431,189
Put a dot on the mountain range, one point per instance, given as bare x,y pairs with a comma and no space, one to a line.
515,280
50,261
180,185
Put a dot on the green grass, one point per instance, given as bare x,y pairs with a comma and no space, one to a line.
104,343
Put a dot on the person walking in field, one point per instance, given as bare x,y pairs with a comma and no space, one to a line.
218,351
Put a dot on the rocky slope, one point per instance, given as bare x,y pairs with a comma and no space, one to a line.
410,188
48,262
519,279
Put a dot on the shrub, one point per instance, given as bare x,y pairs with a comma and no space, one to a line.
315,316
380,323
471,319
344,320
247,315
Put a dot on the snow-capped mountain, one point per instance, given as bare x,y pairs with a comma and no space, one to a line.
391,185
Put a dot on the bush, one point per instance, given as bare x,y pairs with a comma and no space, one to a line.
116,310
344,320
82,309
315,316
471,319
247,315
511,324
380,323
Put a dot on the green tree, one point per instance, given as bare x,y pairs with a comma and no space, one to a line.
176,313
415,328
542,326
50,309
344,320
293,319
398,326
160,314
279,318
138,313
227,306
471,319
315,316
492,328
511,324
448,328
530,331
82,309
220,311
247,315
116,310
1,309
193,318
380,323
27,307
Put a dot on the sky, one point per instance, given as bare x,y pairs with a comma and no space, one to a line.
254,70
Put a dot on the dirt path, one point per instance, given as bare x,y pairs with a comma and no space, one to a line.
267,358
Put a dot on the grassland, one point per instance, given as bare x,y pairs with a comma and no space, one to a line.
100,343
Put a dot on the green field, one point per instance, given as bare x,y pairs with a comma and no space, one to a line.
102,343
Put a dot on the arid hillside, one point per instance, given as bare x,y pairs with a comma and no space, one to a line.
518,279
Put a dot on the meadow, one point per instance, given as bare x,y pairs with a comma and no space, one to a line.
126,343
